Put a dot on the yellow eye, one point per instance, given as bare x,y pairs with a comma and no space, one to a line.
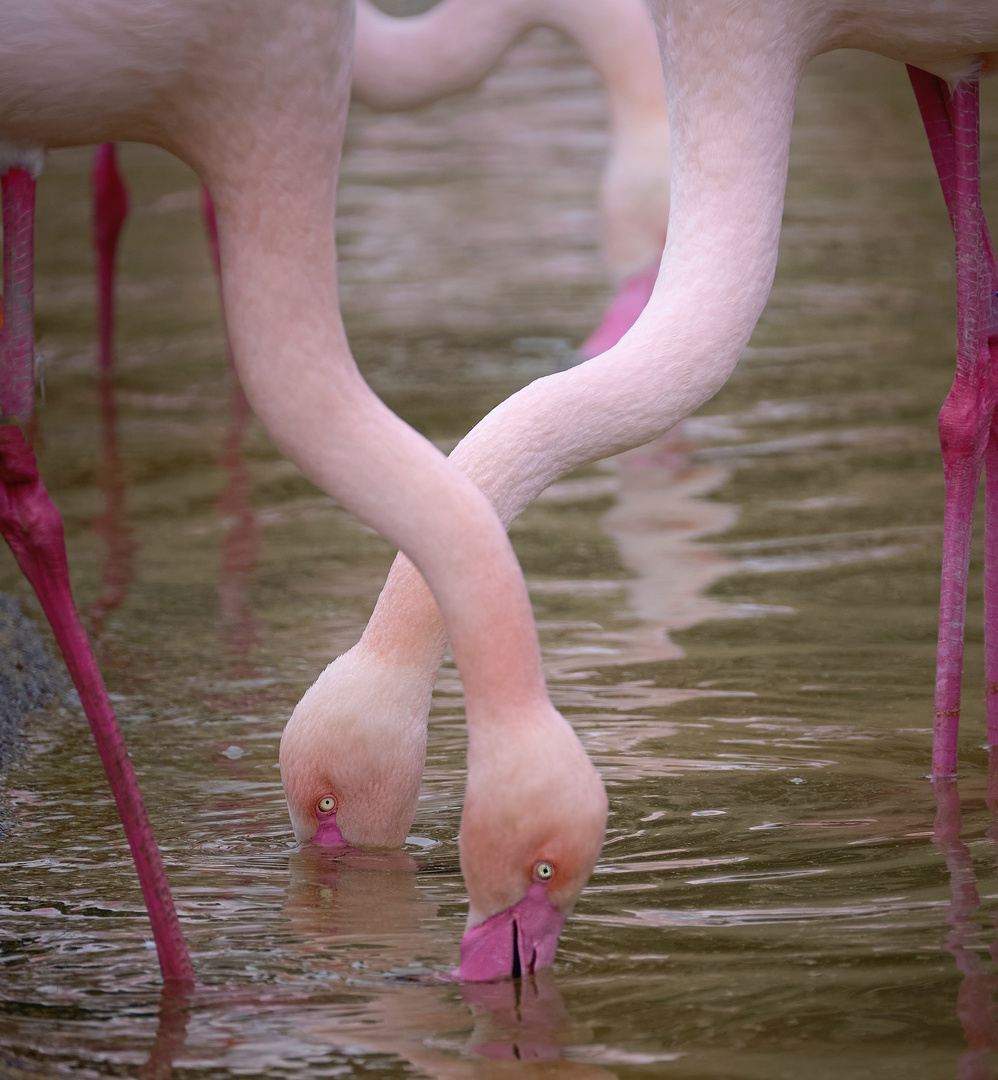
544,871
326,805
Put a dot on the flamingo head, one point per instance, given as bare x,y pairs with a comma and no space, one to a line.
352,753
533,824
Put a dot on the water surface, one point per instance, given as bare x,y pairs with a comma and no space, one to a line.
739,620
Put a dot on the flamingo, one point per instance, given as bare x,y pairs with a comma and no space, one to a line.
402,64
253,96
731,71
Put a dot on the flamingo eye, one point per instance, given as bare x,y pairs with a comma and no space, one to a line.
326,805
544,871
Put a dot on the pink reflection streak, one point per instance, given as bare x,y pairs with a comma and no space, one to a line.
241,546
975,1005
111,524
110,208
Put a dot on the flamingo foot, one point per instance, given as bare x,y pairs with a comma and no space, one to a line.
31,525
628,304
110,208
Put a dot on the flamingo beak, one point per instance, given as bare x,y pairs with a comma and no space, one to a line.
515,942
328,834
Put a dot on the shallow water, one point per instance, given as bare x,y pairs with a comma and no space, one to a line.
739,620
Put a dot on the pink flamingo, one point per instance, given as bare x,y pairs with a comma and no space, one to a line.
407,63
731,70
254,97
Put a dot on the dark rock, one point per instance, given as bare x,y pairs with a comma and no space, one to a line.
29,676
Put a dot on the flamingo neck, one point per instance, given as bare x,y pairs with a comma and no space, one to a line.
716,273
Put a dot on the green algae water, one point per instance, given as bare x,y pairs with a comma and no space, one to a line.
739,620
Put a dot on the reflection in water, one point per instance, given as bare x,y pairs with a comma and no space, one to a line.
171,1033
975,1006
523,1020
111,523
241,545
333,898
659,517
337,903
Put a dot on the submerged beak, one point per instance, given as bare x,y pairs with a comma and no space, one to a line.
515,942
328,834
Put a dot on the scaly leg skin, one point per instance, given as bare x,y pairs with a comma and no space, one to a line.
936,105
17,344
951,122
991,577
31,525
991,524
110,208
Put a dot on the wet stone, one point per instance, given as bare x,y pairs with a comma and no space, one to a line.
29,677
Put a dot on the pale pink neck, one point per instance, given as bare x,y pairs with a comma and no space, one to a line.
728,186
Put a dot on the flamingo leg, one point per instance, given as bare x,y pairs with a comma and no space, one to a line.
31,525
965,420
991,577
110,208
17,345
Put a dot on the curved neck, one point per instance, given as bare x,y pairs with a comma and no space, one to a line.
268,149
732,134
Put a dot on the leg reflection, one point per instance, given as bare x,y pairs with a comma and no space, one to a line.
111,524
171,1033
975,998
241,546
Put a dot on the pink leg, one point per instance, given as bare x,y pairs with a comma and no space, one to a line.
991,578
951,121
110,208
17,343
31,525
